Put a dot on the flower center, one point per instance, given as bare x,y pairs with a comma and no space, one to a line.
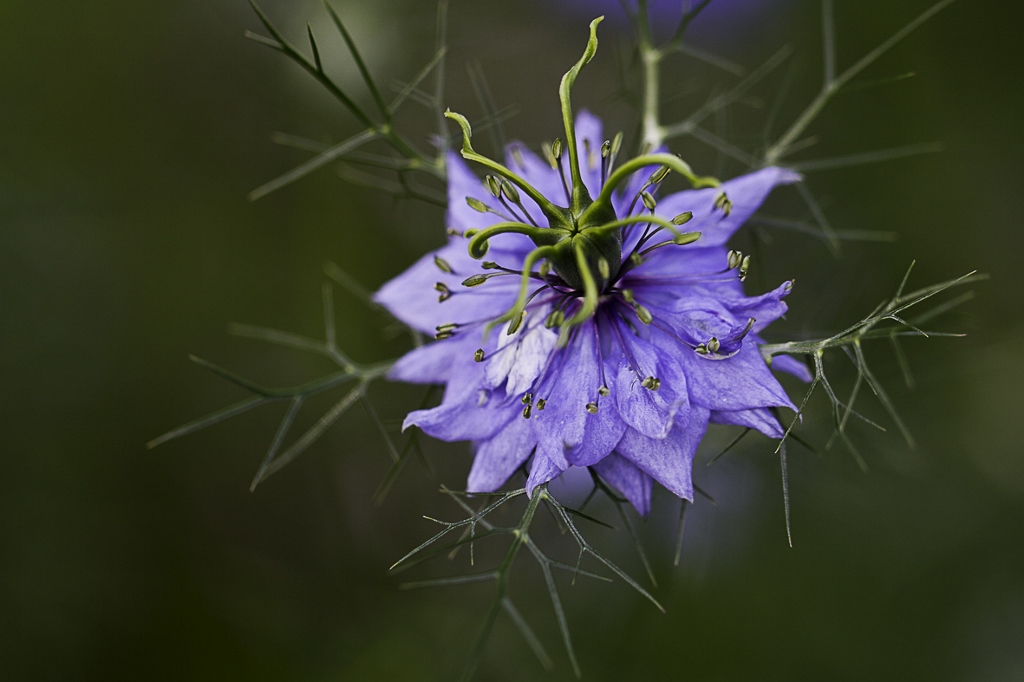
583,241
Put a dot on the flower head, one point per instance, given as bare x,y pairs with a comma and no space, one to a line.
578,324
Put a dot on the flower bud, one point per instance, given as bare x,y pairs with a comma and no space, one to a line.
493,185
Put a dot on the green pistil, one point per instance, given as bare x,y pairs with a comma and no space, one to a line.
623,172
540,236
590,295
554,214
580,198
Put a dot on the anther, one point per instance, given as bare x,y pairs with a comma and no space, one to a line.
493,185
591,161
606,149
444,291
556,149
735,258
683,218
603,268
443,265
628,295
475,280
479,355
744,268
651,383
713,345
686,238
446,328
636,259
513,327
541,403
477,205
604,391
527,398
617,144
527,411
592,408
659,175
510,191
643,313
650,203
443,335
545,268
723,203
452,232
549,154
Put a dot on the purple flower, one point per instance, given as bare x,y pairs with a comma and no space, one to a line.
577,326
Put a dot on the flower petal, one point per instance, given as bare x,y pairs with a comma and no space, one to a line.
601,434
742,381
434,363
651,412
467,411
571,381
746,193
411,296
760,419
498,457
624,476
765,308
792,365
670,460
542,470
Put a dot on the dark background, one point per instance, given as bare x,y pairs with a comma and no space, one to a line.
130,134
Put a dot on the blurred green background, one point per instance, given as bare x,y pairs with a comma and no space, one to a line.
130,134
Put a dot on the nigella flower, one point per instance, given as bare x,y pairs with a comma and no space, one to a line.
577,325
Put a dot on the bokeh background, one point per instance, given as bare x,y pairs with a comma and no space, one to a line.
130,134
